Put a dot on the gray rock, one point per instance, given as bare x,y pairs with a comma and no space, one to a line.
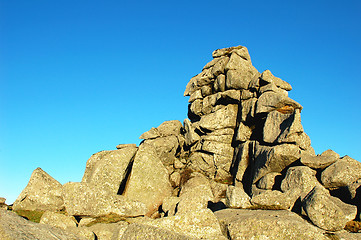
248,109
108,169
165,147
190,135
83,199
149,181
341,173
167,128
14,227
327,212
237,198
42,193
317,162
268,181
242,160
141,231
270,101
246,224
151,134
240,78
273,159
224,117
300,177
267,76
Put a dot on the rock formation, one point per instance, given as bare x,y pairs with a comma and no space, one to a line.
240,167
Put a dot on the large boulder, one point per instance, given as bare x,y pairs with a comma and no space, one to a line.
341,173
109,230
42,193
317,162
149,179
108,169
82,199
14,227
327,212
236,197
243,224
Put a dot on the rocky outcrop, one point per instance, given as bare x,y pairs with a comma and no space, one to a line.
242,147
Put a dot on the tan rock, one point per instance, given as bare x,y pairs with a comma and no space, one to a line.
202,162
141,231
82,199
58,220
120,146
317,162
270,101
268,181
341,173
109,169
109,231
327,212
219,66
225,117
195,95
149,181
246,224
237,198
13,227
267,76
199,224
220,83
275,200
42,193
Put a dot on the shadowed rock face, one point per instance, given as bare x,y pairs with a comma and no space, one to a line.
242,147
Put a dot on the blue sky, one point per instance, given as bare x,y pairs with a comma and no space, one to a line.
78,77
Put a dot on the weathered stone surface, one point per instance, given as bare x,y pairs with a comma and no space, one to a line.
219,66
317,162
58,220
151,134
327,212
300,177
273,199
42,193
267,76
109,231
219,148
341,173
248,108
220,83
330,153
165,147
242,160
273,159
13,227
148,182
237,198
280,127
243,132
195,194
200,224
270,101
245,224
141,231
268,181
196,95
120,146
240,78
167,128
344,235
109,169
203,163
82,199
3,205
169,205
225,117
355,190
190,135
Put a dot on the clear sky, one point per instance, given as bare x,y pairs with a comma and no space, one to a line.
78,77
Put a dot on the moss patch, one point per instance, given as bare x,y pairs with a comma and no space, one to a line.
33,216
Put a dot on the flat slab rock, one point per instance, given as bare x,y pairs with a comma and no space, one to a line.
266,224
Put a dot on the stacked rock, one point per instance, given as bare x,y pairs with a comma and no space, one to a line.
243,147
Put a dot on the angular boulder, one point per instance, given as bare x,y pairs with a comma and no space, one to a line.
149,181
327,212
42,193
